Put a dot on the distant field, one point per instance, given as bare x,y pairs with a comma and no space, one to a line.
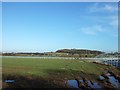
54,69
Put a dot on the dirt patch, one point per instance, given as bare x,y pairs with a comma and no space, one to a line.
31,82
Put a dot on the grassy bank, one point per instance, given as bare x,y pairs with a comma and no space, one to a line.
50,70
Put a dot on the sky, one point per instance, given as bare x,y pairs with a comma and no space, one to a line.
0,27
49,26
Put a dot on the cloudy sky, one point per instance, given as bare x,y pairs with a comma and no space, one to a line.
39,27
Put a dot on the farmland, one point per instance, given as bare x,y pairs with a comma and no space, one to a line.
39,72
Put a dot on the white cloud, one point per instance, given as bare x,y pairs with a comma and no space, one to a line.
92,30
113,22
97,29
110,8
106,8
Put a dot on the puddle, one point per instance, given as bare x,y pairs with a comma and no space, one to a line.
114,81
9,81
101,78
81,81
73,83
94,85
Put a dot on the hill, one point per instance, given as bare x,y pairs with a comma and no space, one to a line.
80,52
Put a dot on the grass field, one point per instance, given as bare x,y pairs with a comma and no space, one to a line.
49,70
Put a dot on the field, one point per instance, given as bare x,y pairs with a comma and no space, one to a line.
37,72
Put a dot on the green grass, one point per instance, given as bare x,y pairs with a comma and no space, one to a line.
48,73
52,67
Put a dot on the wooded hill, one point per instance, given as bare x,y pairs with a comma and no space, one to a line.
79,51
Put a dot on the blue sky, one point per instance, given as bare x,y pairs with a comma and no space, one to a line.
41,27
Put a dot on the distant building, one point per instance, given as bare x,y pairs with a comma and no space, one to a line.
114,62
